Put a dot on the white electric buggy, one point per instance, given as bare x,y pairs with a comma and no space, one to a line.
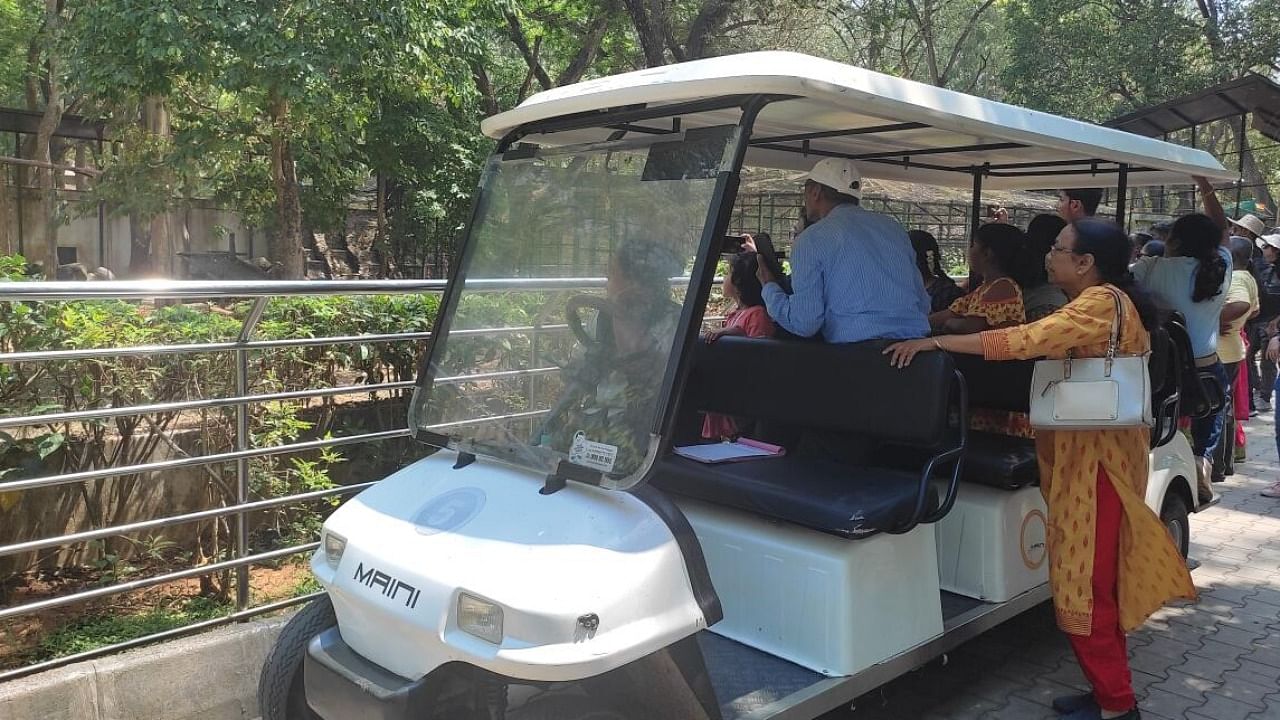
555,559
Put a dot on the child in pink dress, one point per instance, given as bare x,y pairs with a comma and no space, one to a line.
748,318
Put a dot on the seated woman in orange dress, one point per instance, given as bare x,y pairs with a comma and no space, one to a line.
997,302
996,255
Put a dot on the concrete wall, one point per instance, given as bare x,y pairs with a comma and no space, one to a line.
211,676
52,511
106,243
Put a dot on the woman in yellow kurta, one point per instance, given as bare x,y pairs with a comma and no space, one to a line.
1112,563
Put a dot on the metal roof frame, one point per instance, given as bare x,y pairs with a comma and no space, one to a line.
1252,94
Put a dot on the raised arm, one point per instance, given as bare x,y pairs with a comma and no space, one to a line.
1212,207
803,311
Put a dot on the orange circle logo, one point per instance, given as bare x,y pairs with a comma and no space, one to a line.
1032,540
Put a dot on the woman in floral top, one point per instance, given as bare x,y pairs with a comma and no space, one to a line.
997,302
996,255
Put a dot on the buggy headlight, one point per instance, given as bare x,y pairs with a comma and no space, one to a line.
480,618
334,546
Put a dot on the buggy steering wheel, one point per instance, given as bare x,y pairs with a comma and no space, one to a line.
573,308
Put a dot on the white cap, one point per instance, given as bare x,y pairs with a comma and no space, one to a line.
838,174
1272,240
1250,222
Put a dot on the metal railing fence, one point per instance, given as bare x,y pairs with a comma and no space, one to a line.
242,556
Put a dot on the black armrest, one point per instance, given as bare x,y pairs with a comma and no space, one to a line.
955,455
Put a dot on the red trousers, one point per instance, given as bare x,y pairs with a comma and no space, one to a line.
1103,654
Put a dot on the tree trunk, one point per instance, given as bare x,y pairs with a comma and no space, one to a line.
50,119
81,154
155,119
390,259
706,25
649,29
49,179
287,247
139,246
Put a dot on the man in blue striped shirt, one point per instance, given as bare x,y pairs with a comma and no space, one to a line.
853,272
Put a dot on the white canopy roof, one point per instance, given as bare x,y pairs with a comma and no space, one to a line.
897,129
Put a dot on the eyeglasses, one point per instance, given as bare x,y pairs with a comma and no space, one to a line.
1060,249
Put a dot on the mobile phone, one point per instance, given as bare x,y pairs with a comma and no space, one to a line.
769,254
731,244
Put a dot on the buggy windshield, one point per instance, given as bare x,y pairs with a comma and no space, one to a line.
555,346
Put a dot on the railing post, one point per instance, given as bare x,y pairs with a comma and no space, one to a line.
242,443
530,386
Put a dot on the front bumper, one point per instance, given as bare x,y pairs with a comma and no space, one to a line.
341,684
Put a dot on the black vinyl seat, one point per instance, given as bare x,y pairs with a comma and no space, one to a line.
851,502
848,389
1010,463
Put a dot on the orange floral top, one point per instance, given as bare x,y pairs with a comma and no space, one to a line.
1151,571
999,302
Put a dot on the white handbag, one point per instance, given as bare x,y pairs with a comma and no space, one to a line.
1093,393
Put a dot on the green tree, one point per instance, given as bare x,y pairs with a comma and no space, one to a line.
948,43
273,101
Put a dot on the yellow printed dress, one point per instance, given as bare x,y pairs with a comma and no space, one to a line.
1151,571
999,302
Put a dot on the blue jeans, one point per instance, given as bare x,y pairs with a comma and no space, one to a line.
1206,432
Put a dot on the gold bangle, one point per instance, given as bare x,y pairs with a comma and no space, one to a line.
938,344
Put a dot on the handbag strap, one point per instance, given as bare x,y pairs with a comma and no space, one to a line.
1113,342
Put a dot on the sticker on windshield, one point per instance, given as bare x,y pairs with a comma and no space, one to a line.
595,455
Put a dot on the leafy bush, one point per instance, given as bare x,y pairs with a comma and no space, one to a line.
101,630
28,388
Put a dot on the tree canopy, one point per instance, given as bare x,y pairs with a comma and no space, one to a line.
282,110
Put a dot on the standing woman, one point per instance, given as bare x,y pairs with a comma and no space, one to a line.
1192,278
1111,561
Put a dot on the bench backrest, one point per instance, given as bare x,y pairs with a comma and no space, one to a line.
1006,385
846,388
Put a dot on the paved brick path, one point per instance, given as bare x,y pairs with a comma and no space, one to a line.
1216,660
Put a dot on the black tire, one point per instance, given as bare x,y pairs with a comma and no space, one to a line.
1176,518
281,692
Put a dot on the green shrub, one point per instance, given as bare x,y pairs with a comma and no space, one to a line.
64,447
102,630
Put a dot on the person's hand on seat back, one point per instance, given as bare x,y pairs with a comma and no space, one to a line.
902,353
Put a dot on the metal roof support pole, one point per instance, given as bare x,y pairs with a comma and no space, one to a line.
975,220
1122,193
1164,200
1194,127
244,442
1244,128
